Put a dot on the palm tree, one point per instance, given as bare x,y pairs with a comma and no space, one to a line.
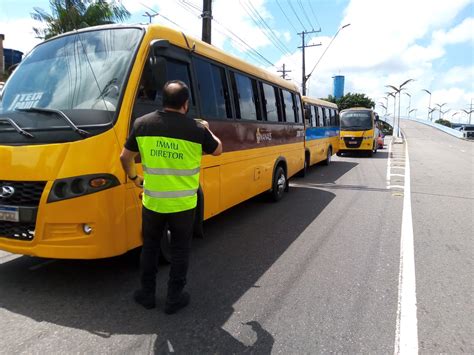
68,15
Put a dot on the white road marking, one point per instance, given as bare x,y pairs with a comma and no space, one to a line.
395,187
397,175
406,337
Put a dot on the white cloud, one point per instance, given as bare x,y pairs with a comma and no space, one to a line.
19,34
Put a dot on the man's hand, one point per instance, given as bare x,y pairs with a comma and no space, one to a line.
203,122
138,181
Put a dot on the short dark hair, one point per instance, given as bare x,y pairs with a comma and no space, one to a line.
174,96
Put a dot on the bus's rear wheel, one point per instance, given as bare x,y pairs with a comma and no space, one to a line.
328,156
279,184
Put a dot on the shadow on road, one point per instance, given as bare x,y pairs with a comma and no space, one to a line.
240,246
381,154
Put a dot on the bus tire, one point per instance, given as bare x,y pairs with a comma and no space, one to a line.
279,184
375,148
304,171
328,156
165,245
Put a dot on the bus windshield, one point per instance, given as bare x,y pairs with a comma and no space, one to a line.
75,74
356,120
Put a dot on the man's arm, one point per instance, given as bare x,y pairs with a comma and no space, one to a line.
127,158
218,150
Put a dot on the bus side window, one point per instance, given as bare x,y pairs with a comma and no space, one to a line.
308,117
213,90
178,70
270,108
146,102
327,117
244,96
314,117
321,116
288,106
333,117
297,108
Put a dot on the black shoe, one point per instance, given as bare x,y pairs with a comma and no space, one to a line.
182,302
146,299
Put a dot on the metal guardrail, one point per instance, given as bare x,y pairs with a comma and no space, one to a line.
451,131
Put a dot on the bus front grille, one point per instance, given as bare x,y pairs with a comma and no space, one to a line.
26,196
26,193
352,142
17,230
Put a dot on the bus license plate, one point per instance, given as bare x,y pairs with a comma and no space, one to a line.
352,142
9,213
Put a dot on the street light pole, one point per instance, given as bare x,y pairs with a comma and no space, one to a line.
429,104
398,91
409,104
306,77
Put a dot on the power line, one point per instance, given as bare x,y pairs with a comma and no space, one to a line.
284,13
294,11
258,20
244,43
314,14
158,14
305,14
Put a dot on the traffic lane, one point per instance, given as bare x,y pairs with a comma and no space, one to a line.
442,203
278,274
79,306
335,288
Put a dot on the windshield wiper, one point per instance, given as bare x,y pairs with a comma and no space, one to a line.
59,113
17,128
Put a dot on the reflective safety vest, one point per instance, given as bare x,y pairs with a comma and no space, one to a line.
171,173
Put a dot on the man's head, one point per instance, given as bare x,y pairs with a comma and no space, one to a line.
176,96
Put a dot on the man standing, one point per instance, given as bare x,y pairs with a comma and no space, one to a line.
170,145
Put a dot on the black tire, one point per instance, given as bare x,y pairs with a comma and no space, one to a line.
279,184
304,171
328,156
165,249
375,147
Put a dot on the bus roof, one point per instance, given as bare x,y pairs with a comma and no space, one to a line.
314,101
187,42
358,109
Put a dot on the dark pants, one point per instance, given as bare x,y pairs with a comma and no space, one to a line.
181,227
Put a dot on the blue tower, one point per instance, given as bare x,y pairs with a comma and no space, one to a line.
338,86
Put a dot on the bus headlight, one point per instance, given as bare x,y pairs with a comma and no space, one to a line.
369,137
64,189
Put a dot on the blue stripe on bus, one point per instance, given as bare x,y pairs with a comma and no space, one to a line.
321,132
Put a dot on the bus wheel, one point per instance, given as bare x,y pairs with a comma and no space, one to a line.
165,245
328,156
279,184
375,148
302,172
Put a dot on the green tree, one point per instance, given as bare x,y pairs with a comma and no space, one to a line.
351,100
444,122
68,15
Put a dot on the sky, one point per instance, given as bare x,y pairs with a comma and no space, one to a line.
386,43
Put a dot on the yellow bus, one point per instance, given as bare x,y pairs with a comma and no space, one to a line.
358,131
66,112
321,131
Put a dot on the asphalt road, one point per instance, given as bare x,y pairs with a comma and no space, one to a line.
317,272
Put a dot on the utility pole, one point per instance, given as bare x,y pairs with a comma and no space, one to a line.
284,71
303,46
206,20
